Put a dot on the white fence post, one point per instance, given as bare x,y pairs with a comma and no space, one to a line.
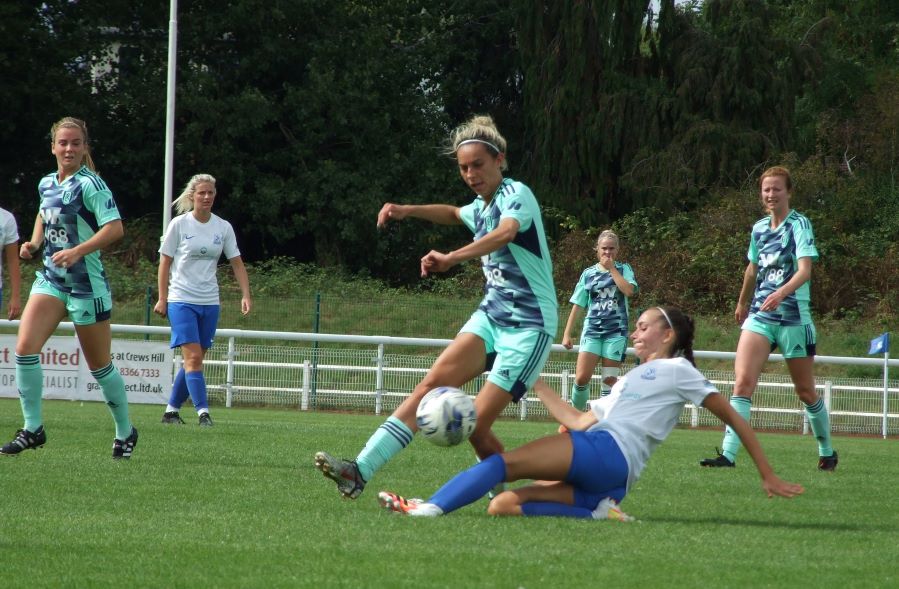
379,379
307,374
565,385
229,374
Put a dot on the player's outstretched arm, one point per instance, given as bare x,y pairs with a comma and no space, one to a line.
570,417
440,214
771,483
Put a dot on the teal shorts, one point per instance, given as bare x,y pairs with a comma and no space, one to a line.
614,348
794,341
81,311
520,353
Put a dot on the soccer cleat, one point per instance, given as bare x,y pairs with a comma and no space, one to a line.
718,461
205,420
343,472
24,440
414,507
828,463
122,449
172,417
608,509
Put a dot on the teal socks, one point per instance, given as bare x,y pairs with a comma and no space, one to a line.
819,420
580,394
731,444
113,388
30,382
384,444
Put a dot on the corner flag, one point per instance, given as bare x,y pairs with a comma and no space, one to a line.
880,344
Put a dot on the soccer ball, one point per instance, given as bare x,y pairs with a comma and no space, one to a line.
446,416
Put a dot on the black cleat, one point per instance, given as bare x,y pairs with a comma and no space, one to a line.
172,417
24,440
345,473
122,449
205,420
718,461
828,463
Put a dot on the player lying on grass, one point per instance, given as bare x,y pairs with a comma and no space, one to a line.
601,456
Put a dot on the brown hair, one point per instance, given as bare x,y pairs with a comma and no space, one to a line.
778,171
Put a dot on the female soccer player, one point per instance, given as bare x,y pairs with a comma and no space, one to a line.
604,289
596,462
78,217
9,241
781,252
189,291
512,330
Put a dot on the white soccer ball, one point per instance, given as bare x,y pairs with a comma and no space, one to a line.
446,416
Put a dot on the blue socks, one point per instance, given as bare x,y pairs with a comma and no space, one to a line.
540,508
196,386
470,485
180,393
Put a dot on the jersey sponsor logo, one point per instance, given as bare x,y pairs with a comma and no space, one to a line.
50,215
203,251
649,374
67,197
766,260
607,305
605,293
217,239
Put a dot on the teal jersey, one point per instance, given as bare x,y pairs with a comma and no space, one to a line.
777,253
73,211
607,307
519,290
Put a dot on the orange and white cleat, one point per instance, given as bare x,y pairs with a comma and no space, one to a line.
414,507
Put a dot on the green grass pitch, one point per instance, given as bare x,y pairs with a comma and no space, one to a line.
240,505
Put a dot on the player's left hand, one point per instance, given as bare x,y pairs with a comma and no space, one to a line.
66,258
246,305
435,261
14,309
773,301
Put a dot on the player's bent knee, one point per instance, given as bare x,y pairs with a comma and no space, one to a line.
505,503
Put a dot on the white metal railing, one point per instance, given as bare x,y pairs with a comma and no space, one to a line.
307,370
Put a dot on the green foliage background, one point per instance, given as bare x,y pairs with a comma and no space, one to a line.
312,113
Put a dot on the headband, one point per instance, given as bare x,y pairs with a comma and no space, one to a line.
487,143
665,315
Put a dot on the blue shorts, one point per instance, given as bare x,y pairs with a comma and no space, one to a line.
598,468
193,324
519,353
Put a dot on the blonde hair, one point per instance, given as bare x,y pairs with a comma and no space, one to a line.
479,129
185,202
778,171
73,123
608,234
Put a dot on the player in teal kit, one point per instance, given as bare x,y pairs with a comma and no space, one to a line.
603,289
78,217
512,330
777,279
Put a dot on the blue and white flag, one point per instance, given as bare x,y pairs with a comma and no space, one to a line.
880,344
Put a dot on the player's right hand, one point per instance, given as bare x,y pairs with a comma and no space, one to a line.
390,212
741,313
566,343
27,250
160,308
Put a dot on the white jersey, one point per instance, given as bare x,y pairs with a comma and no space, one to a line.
9,233
195,249
650,400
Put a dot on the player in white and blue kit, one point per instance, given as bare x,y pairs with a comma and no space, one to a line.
189,291
78,217
598,460
604,290
512,330
777,282
9,241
